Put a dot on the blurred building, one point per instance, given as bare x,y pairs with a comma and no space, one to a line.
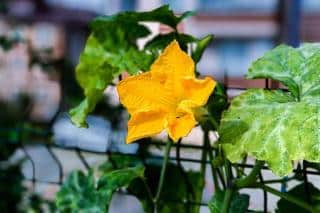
243,30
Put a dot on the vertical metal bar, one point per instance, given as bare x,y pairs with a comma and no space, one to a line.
59,164
290,14
82,159
265,195
33,167
20,132
306,183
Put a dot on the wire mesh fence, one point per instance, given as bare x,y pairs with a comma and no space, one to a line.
23,139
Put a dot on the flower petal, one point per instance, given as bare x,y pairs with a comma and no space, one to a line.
197,91
145,124
142,93
180,126
171,66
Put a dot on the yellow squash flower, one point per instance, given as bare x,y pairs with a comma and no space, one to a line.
165,97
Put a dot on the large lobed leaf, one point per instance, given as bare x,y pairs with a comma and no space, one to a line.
111,49
278,126
81,193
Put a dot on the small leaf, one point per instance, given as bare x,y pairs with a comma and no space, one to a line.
116,162
79,194
114,180
201,45
298,191
165,16
187,14
217,103
162,14
159,42
119,178
239,202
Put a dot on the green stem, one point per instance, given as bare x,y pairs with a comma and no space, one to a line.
213,122
150,196
227,201
163,171
211,158
229,190
228,172
251,178
286,196
240,170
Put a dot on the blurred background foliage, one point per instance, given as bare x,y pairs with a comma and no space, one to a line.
41,41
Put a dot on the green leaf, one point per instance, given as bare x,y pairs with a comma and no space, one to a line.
201,45
7,43
99,65
93,76
117,179
162,14
277,126
187,14
296,68
12,189
217,103
112,49
116,162
239,202
137,187
37,203
81,193
178,186
298,191
159,42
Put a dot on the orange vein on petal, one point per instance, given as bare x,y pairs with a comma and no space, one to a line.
142,93
164,97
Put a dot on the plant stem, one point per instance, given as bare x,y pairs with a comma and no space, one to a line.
286,196
240,170
228,172
213,122
230,188
150,196
227,201
163,171
213,169
251,178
